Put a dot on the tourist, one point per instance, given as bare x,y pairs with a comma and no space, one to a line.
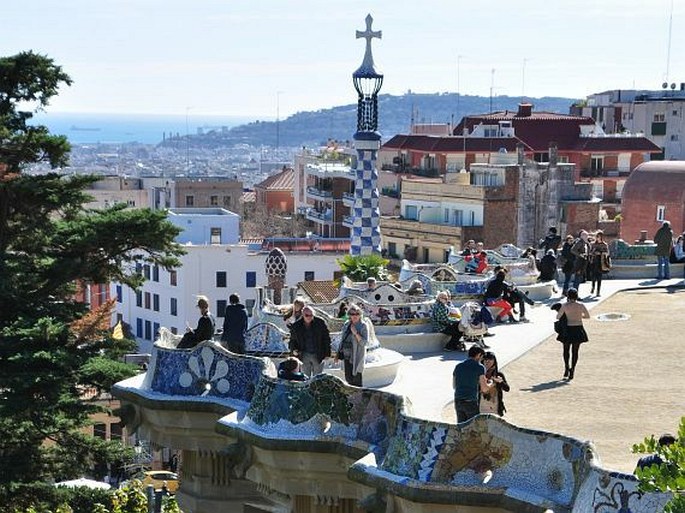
516,297
342,311
600,262
654,459
581,252
290,369
573,333
531,254
494,297
468,382
679,252
443,323
548,266
492,401
551,240
469,249
294,313
664,241
567,261
205,326
355,336
310,341
235,325
370,283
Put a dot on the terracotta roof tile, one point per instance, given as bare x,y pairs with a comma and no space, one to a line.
319,291
616,144
453,144
285,180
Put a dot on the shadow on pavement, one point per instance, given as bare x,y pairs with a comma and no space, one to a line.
545,386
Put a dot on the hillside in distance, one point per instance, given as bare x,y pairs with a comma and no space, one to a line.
313,128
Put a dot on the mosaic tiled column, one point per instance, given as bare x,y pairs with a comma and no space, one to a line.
366,234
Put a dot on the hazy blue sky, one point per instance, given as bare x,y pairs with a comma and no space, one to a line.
245,57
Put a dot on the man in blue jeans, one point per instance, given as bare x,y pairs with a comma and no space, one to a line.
468,381
664,242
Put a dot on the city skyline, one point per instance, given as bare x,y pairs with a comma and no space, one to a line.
273,58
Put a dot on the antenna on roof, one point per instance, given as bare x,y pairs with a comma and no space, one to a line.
668,50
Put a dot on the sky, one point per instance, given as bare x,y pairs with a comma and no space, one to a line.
268,58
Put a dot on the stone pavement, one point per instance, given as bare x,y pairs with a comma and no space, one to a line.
618,396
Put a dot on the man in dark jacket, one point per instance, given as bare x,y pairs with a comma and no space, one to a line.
205,326
664,243
551,240
310,341
235,325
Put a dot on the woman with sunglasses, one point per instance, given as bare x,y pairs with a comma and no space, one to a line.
352,351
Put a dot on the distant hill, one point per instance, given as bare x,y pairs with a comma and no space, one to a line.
395,115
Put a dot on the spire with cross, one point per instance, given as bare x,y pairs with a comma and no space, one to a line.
368,68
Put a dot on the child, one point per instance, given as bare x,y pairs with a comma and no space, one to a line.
290,369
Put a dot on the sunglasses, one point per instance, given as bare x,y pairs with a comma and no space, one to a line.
307,315
354,313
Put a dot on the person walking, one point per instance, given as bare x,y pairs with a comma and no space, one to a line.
468,382
205,326
492,401
664,242
235,325
356,333
310,340
581,252
600,262
567,261
573,334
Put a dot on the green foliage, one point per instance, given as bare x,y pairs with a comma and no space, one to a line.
361,267
670,475
52,349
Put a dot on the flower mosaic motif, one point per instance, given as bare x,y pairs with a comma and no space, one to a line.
205,370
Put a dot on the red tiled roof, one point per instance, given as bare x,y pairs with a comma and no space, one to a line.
453,144
319,291
285,180
598,144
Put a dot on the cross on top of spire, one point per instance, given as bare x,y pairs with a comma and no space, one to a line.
368,67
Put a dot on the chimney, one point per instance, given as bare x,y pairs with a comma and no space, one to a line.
553,154
520,154
525,110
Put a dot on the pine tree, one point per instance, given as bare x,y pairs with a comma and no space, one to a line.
51,348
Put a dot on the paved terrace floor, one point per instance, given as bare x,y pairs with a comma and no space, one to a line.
629,381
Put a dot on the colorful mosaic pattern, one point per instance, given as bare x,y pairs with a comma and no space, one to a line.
621,250
366,234
266,338
207,371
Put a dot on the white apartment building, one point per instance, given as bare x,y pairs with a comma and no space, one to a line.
214,269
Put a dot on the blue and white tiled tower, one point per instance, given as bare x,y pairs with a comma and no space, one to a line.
366,234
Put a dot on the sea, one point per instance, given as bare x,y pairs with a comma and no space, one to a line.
128,128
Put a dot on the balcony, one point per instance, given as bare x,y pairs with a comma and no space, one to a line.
348,199
319,194
390,192
330,170
324,218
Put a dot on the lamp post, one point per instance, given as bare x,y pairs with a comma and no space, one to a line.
366,235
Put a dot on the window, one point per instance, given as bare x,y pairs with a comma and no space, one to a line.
120,294
139,327
675,113
131,203
139,268
426,255
251,279
472,218
116,431
147,300
215,236
139,298
190,201
155,273
392,249
148,330
674,137
173,277
155,302
410,212
659,117
661,213
214,201
597,163
100,431
446,216
155,329
220,307
221,279
458,217
227,201
309,276
658,128
173,306
249,305
146,271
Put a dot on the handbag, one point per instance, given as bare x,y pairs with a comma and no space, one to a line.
605,263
